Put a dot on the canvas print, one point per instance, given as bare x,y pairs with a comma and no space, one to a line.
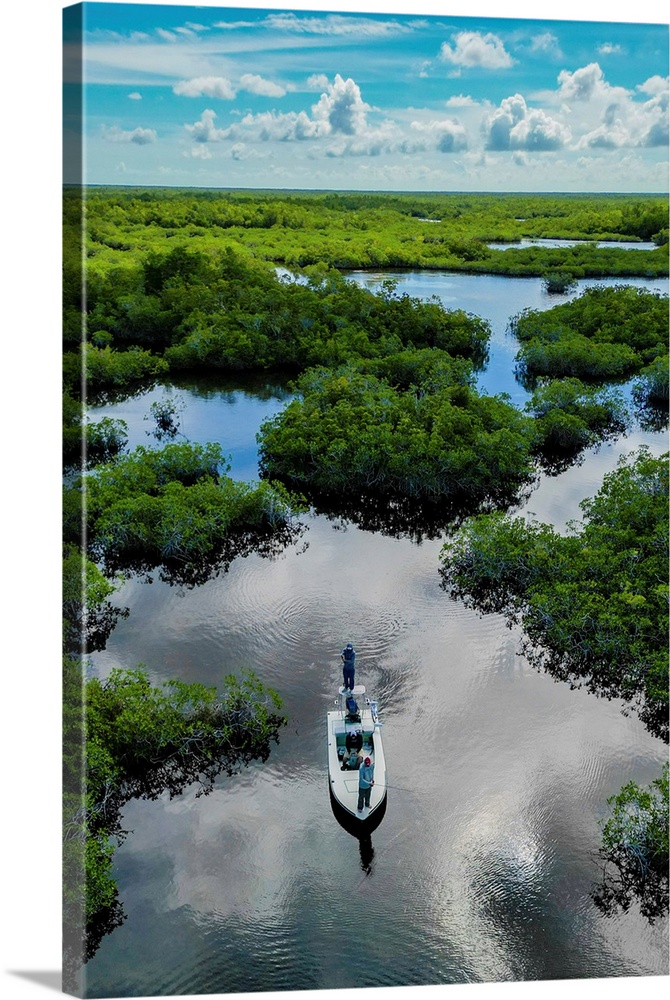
365,517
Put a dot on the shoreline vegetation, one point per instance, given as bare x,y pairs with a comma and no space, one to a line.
175,282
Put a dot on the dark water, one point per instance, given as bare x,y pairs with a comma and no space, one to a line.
481,868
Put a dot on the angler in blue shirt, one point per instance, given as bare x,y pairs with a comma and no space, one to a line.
348,666
366,776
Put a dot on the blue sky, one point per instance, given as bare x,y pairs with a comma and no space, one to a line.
343,98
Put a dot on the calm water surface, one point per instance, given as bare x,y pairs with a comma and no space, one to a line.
482,866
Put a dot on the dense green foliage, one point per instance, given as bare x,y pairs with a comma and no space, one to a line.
410,426
173,507
569,417
142,741
86,443
182,279
351,230
187,310
606,333
593,604
88,617
559,283
650,393
634,851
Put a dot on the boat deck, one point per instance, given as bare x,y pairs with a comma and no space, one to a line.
344,783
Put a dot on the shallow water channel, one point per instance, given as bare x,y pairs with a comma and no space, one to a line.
482,866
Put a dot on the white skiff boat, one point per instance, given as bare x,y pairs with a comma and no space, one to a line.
351,738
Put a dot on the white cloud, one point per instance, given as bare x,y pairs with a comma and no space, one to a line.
610,135
135,96
446,136
204,130
167,36
242,152
582,85
223,89
474,49
255,84
655,85
139,136
612,119
234,25
461,101
285,127
516,126
317,81
339,111
608,49
206,86
545,44
372,142
335,24
199,152
341,108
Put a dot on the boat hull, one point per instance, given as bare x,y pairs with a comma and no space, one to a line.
358,826
344,783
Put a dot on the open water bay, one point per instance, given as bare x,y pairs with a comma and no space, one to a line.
482,867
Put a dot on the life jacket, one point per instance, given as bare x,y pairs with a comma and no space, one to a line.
348,653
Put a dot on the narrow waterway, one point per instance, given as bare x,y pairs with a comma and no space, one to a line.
482,866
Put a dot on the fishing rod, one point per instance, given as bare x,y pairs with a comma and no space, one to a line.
395,788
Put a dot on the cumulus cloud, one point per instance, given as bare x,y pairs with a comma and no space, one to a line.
286,127
617,120
582,85
446,136
514,125
655,85
652,122
538,131
610,135
223,89
658,135
255,84
264,127
134,96
461,101
471,48
204,130
341,108
206,86
338,121
139,136
317,81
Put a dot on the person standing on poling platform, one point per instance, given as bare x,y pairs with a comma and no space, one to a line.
348,658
